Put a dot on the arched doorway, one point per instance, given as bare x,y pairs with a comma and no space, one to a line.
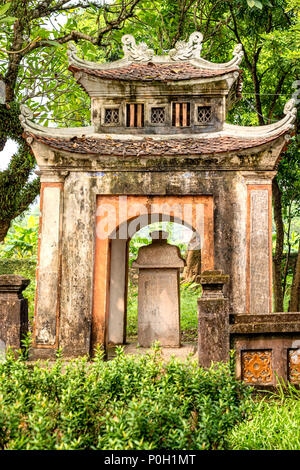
115,227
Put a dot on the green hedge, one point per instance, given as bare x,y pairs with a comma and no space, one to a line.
25,267
18,266
131,402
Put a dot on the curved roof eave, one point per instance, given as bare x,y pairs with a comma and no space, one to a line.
285,125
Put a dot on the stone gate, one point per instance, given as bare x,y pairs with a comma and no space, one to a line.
158,146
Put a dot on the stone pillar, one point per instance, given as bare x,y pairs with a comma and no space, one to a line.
13,311
213,319
259,244
49,262
77,266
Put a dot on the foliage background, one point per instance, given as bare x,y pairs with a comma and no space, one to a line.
34,36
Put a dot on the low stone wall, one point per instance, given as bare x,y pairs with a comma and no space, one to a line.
13,312
23,267
267,347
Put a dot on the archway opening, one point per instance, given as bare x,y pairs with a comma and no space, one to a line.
180,236
118,220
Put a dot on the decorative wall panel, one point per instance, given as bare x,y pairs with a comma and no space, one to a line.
257,367
294,365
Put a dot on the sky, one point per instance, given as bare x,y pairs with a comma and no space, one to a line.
9,149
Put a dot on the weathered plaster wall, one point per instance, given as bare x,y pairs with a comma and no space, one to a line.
225,177
77,265
80,191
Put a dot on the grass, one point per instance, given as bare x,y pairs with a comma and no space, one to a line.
189,293
274,423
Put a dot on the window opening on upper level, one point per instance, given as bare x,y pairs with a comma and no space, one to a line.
181,114
135,115
204,114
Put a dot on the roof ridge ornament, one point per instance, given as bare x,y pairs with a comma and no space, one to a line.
72,51
238,54
290,110
73,57
190,49
26,114
136,52
26,119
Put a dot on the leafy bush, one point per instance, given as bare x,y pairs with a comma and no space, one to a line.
132,309
273,425
18,253
127,403
22,239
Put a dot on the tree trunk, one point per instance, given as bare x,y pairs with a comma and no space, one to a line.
277,258
4,226
193,265
294,305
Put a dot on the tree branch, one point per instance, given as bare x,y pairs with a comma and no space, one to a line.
276,95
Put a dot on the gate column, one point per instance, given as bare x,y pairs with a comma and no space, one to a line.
213,319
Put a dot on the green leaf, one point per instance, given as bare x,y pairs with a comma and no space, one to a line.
53,43
258,4
4,8
8,19
251,3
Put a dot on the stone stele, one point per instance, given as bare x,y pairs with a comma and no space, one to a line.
159,266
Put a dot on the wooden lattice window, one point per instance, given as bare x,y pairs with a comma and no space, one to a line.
158,115
135,115
204,114
181,114
111,116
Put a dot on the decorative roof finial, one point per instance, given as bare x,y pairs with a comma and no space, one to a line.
136,52
72,52
188,50
290,111
238,53
26,114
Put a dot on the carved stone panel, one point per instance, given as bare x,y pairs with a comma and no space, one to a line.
294,366
158,292
257,367
158,312
259,251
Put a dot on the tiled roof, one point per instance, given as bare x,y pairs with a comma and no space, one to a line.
150,147
151,72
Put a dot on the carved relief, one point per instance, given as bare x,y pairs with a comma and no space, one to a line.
259,251
188,50
294,366
257,367
136,52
